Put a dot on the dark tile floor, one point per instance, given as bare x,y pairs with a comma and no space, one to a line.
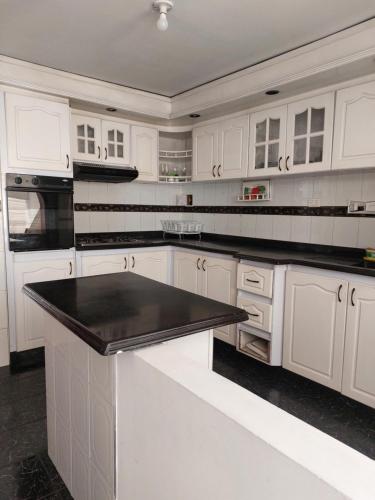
346,420
26,472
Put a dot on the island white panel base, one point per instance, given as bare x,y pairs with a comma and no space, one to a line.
157,424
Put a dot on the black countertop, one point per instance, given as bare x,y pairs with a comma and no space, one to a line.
349,260
124,311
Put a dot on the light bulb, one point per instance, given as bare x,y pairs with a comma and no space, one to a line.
162,23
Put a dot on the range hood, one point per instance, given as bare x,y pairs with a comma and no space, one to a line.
96,172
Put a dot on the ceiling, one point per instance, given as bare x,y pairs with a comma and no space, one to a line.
117,40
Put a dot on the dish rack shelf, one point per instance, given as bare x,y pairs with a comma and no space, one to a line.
174,178
187,153
182,228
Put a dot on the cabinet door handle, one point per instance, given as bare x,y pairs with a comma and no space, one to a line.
67,161
213,170
279,165
125,263
352,297
203,263
198,261
252,281
286,163
98,151
105,153
133,262
255,315
70,268
218,171
339,293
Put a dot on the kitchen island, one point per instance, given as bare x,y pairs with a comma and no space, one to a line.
134,411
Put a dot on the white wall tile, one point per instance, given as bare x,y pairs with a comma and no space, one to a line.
368,186
264,226
303,190
208,223
132,193
322,230
98,222
366,233
233,225
147,194
116,193
345,231
348,187
98,192
324,189
147,221
248,225
81,192
282,191
133,221
82,222
301,226
282,227
220,223
116,221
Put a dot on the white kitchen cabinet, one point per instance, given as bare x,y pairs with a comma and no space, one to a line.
233,148
211,277
359,358
38,133
309,134
187,271
314,327
116,142
144,152
353,141
267,142
86,138
153,265
205,152
29,333
104,264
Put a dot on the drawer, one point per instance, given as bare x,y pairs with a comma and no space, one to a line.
260,314
255,279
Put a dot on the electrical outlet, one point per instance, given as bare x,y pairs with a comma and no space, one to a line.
313,202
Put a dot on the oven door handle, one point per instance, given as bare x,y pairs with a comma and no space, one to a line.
38,190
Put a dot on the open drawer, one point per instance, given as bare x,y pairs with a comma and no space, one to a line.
260,314
254,346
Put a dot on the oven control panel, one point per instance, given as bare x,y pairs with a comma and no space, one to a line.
35,182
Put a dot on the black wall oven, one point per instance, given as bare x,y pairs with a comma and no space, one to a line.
40,212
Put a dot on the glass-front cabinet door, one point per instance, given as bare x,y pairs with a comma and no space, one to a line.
87,140
309,134
267,142
115,137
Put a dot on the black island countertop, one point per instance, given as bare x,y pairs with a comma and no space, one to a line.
342,259
123,311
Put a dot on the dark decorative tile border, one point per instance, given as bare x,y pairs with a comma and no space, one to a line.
326,211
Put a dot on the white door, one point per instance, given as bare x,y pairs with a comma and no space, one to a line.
314,327
29,332
144,152
104,264
205,152
187,271
354,130
218,282
153,265
86,138
267,142
116,142
309,134
359,358
38,135
233,148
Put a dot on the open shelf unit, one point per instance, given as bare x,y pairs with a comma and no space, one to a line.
175,157
255,191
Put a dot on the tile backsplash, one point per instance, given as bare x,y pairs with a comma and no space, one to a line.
327,189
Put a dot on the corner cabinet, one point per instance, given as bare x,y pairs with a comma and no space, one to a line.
314,327
99,140
144,152
220,151
353,143
359,359
38,135
30,270
211,277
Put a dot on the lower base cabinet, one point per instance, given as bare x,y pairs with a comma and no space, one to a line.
212,277
359,358
28,330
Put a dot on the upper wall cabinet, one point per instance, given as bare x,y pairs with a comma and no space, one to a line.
220,151
37,133
144,147
309,134
267,142
94,139
354,138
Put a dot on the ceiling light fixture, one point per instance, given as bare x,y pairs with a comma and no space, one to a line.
163,6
